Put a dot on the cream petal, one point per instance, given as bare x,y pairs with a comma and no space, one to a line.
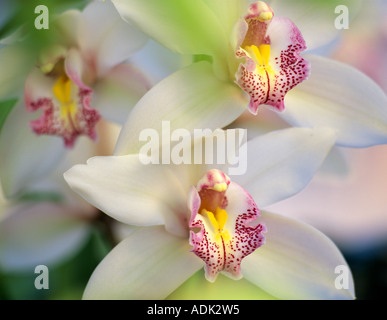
298,262
130,191
191,98
105,40
148,264
28,157
340,97
315,19
281,163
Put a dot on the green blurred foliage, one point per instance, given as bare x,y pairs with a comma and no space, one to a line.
37,196
20,18
224,288
22,12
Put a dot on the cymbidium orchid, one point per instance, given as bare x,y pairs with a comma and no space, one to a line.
78,77
184,217
244,55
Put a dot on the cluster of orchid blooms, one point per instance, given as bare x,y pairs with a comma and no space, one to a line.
185,217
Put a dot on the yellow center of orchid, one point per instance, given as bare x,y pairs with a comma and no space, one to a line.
219,217
260,54
62,91
218,220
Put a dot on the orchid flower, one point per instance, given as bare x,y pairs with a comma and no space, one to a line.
79,77
186,217
247,56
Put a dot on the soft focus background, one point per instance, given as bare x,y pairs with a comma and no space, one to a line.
347,199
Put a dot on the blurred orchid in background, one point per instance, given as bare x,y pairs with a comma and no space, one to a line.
48,224
80,77
78,66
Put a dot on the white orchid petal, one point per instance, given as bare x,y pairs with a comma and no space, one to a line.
315,19
281,163
38,234
120,89
191,98
75,68
25,157
340,97
353,196
148,264
37,86
105,37
298,262
128,190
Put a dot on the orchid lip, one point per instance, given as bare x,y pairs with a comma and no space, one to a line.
65,104
273,66
220,235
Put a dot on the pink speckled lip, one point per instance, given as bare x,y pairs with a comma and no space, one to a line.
39,96
223,250
268,84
